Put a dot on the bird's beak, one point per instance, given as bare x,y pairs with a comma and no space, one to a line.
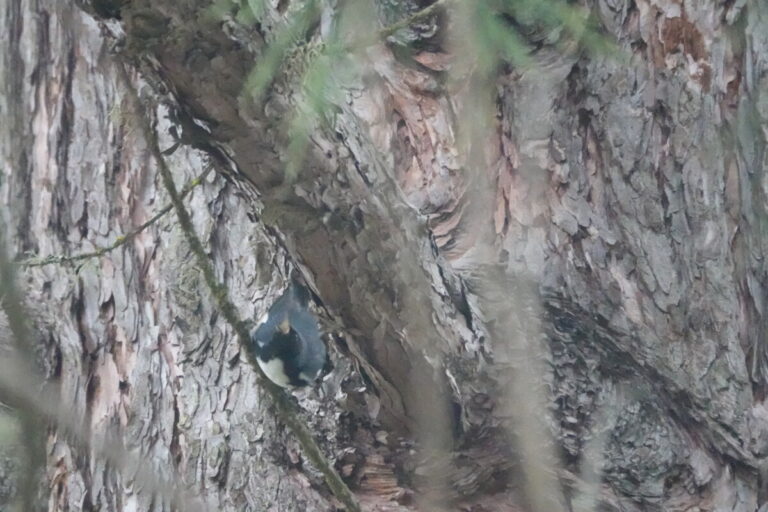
285,326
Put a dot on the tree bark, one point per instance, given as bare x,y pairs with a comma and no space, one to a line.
570,308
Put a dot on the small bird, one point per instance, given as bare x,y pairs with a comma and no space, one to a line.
287,343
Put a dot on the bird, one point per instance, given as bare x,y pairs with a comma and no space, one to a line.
287,342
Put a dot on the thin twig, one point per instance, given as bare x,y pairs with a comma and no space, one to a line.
286,410
120,240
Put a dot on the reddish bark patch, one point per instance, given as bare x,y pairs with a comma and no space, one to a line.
680,35
434,61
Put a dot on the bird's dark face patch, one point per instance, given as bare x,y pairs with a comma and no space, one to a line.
285,349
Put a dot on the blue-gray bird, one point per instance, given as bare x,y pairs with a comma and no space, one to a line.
288,344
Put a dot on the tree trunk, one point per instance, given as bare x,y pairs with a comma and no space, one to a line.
561,304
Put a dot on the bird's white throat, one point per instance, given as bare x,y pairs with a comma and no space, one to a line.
275,371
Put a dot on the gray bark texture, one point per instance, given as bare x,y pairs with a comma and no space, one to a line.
572,310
